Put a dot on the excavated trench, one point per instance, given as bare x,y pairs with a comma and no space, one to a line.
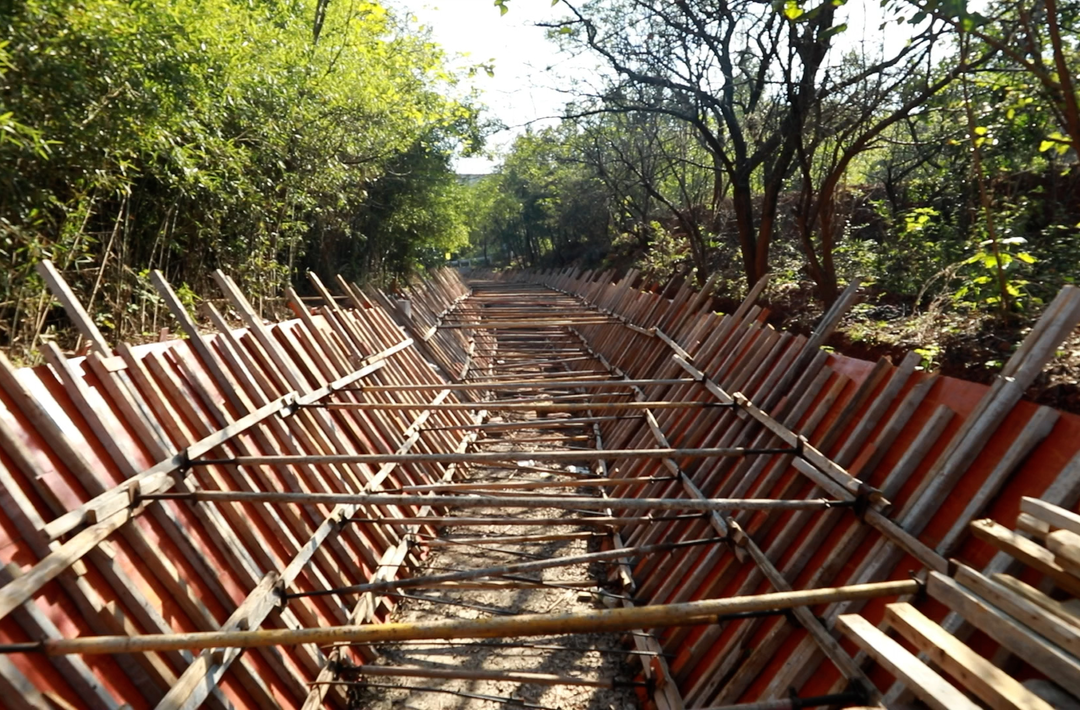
555,672
549,490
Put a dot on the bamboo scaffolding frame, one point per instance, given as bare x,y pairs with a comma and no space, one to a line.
539,406
522,625
701,382
518,501
527,384
575,455
509,569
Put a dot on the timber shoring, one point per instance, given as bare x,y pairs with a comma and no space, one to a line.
259,487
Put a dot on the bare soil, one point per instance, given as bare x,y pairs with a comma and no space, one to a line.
586,656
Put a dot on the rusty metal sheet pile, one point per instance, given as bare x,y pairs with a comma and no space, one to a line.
170,541
943,452
77,434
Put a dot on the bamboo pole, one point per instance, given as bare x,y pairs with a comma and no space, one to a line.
505,539
591,621
539,406
506,570
540,323
547,423
472,501
521,384
525,677
508,584
601,521
478,457
529,485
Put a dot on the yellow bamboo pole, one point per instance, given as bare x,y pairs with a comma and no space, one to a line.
519,501
523,625
479,457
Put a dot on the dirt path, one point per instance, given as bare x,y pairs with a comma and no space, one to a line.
585,657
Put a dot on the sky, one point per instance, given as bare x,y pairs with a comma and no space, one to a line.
524,88
529,70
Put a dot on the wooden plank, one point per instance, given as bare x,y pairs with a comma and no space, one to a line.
1030,553
100,617
1065,544
1037,429
78,675
1031,615
829,645
1010,633
999,400
931,688
1062,611
19,691
989,683
82,320
914,454
1051,514
23,589
1032,526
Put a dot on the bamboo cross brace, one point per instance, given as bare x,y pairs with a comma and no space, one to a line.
555,423
599,521
509,569
523,384
116,508
539,406
477,501
479,457
524,677
523,625
529,485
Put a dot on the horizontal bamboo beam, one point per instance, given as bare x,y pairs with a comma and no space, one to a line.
539,323
601,521
508,584
525,677
556,423
511,406
505,539
524,384
482,456
508,571
475,501
523,625
521,384
530,485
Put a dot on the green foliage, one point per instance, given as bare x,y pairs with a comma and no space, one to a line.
189,135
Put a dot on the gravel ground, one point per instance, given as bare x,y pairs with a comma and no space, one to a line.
589,656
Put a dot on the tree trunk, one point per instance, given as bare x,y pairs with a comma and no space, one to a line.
743,201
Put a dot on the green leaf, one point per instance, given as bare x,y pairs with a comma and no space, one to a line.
792,11
1025,257
832,31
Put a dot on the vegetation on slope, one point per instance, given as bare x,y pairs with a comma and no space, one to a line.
261,137
735,137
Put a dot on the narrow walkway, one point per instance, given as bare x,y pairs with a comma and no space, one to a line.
537,360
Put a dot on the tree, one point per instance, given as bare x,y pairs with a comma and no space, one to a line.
749,78
191,134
